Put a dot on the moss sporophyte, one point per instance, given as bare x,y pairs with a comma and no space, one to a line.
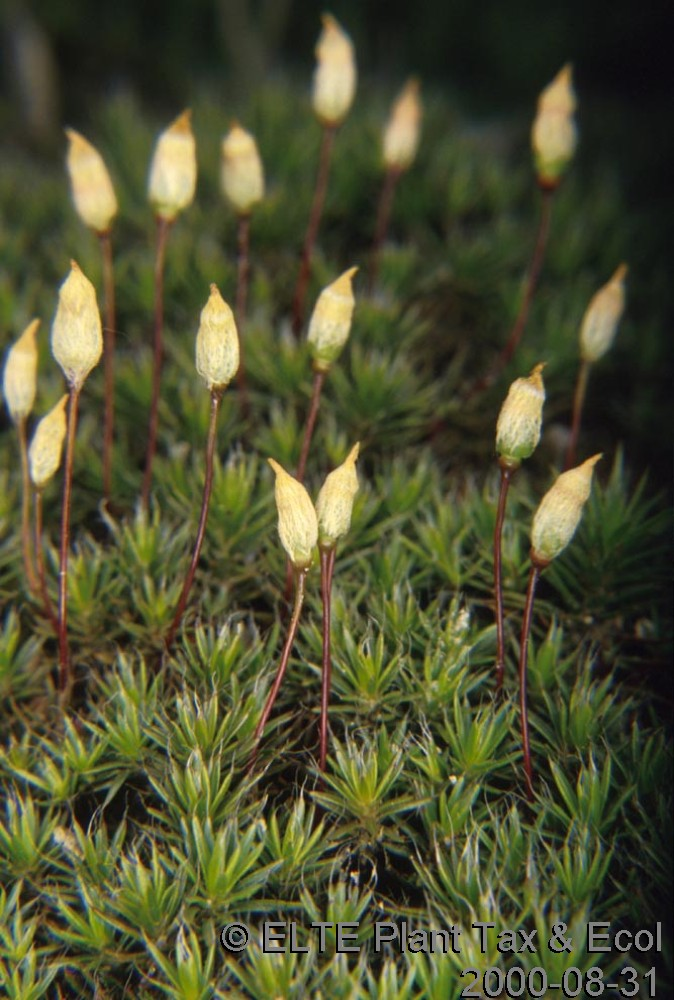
518,431
77,345
171,186
96,204
333,92
242,181
19,385
217,361
554,525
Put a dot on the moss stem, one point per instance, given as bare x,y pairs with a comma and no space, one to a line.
327,569
163,229
320,190
534,575
242,278
300,580
65,679
39,558
317,388
109,362
520,323
216,396
26,541
578,402
388,188
507,473
532,281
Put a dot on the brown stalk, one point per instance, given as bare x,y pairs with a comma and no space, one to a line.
26,542
39,558
109,362
391,179
507,473
300,580
319,379
536,568
163,229
327,569
216,396
327,141
578,401
242,278
65,679
520,323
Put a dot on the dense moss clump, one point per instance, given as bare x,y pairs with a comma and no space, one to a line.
131,829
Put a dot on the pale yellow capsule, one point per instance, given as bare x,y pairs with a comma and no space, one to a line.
335,75
330,322
173,171
76,335
401,135
518,428
90,183
44,453
553,134
242,174
560,511
602,316
19,380
217,349
334,505
297,524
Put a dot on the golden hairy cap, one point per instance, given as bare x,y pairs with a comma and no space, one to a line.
173,171
19,380
297,524
334,505
401,135
76,334
90,183
217,348
44,454
330,321
518,429
553,135
600,322
335,75
560,511
242,174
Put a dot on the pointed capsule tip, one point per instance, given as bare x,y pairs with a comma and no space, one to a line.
620,272
183,123
29,334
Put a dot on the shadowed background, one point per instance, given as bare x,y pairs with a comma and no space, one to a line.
489,60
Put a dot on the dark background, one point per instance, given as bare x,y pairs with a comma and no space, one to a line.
492,58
